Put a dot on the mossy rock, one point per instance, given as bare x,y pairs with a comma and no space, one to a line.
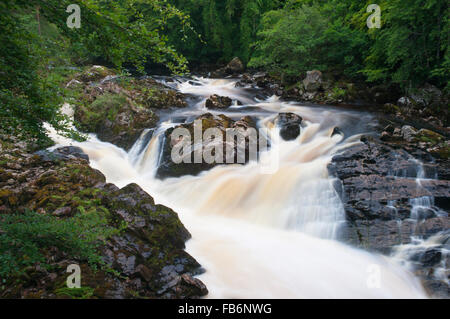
429,136
116,119
94,74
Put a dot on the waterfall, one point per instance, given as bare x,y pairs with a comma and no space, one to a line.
438,245
263,235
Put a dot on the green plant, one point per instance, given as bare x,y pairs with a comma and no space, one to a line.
25,239
338,93
75,293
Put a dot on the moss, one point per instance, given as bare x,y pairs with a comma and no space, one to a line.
75,293
391,108
338,93
8,197
429,136
94,74
106,106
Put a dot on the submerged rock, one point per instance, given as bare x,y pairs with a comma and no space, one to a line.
337,131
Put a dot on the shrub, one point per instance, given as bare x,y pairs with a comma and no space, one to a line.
26,238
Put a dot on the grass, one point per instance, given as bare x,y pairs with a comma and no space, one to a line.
75,293
26,238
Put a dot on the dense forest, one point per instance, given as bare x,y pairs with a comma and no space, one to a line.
284,37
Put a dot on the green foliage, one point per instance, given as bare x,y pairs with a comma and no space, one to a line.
338,93
27,98
411,47
291,40
75,293
228,28
107,104
25,239
36,42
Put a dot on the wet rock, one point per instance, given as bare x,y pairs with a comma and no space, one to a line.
189,286
147,238
337,131
218,102
289,124
385,206
70,152
235,150
429,258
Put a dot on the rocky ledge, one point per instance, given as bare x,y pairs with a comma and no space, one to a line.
387,205
55,211
427,102
118,109
233,151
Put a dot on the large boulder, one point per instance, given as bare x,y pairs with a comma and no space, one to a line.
409,133
289,124
244,131
235,66
118,111
313,81
115,119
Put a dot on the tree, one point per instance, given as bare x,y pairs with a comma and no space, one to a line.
125,31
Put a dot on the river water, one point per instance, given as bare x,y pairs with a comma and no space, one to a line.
261,234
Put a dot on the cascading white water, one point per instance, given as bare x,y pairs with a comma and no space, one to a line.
263,235
421,208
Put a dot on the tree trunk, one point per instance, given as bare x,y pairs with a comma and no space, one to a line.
38,18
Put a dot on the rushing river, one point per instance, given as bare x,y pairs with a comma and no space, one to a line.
259,234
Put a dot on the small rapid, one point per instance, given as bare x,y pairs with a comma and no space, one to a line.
257,234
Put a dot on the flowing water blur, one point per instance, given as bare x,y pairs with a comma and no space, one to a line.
263,235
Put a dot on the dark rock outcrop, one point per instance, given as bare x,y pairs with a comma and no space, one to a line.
233,152
119,109
384,203
143,258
